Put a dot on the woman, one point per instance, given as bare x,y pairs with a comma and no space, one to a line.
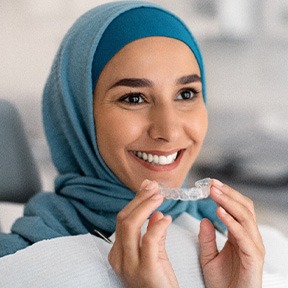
124,108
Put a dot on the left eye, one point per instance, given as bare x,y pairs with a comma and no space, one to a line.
133,98
186,95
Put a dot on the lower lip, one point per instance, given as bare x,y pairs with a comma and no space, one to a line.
159,168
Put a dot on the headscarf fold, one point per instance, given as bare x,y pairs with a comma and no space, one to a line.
87,194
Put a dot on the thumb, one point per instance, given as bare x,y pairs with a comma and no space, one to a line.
207,241
156,216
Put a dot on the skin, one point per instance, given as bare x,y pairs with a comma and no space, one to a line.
164,114
161,122
240,262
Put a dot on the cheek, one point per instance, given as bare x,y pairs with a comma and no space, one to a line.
115,133
107,135
199,124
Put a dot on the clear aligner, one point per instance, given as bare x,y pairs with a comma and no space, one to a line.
200,191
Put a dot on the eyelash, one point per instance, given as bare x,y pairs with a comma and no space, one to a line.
125,98
190,90
128,96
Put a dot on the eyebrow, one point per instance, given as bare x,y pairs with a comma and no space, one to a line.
189,79
133,82
142,82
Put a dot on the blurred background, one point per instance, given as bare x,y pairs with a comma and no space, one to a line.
245,49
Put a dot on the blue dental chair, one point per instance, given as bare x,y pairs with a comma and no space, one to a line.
19,175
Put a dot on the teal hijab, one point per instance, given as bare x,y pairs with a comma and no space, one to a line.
87,194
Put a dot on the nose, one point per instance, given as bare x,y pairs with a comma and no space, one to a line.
165,123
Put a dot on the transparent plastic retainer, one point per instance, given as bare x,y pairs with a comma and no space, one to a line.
200,191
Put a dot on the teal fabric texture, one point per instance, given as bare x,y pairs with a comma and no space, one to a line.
87,194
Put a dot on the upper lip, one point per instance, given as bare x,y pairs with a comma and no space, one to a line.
159,153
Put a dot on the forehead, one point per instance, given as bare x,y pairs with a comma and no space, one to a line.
158,53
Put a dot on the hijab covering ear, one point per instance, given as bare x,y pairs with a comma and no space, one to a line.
88,195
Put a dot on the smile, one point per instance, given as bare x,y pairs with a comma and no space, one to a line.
156,159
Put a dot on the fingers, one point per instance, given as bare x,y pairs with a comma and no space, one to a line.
131,225
156,216
237,196
207,241
153,242
147,189
137,259
237,212
126,248
237,205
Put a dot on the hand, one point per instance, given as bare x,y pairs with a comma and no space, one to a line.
142,261
240,262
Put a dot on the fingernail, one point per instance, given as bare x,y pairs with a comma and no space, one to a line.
148,185
218,183
144,184
151,185
222,210
217,191
157,196
168,217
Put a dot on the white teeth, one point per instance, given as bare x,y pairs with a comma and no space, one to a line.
163,160
145,156
156,159
150,158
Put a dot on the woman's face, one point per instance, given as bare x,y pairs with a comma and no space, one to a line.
149,112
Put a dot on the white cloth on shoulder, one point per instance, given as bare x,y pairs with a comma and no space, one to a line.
82,261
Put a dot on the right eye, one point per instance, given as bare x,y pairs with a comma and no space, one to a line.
133,98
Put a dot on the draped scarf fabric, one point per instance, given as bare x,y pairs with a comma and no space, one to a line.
87,194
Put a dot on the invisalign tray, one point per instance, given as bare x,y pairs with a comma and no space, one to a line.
200,191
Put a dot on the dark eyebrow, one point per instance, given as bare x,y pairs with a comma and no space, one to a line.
133,82
142,82
189,79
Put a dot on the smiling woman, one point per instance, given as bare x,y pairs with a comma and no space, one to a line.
162,111
124,109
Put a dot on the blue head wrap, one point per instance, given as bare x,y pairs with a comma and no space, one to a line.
88,195
140,23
